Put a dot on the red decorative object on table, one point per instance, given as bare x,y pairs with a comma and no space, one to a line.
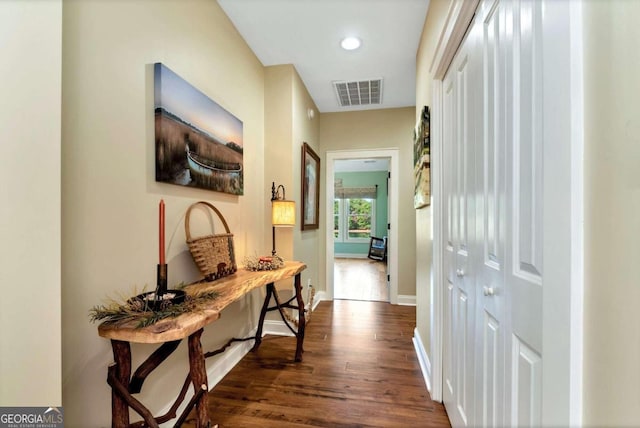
161,227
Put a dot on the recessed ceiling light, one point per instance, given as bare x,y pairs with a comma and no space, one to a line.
350,43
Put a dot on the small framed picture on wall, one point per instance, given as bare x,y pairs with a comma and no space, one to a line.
422,160
310,188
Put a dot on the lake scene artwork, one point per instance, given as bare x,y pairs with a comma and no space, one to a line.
421,160
198,143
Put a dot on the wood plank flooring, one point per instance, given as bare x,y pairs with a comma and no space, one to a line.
360,279
359,370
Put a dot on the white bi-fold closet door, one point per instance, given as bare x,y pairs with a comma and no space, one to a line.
492,152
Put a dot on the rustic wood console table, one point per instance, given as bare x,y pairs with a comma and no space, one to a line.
170,332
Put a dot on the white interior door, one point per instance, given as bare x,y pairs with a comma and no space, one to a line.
524,256
460,298
449,265
492,356
525,205
492,296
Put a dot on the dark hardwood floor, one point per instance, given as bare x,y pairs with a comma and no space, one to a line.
359,370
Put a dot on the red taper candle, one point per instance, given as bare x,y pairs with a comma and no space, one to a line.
162,261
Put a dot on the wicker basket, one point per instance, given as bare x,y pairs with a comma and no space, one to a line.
214,254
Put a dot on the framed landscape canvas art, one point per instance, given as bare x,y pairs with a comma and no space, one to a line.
198,143
310,188
421,161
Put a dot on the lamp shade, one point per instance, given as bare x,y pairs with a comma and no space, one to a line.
283,213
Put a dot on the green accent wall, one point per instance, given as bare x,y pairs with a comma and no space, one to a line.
362,179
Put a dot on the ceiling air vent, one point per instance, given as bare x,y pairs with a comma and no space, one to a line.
359,92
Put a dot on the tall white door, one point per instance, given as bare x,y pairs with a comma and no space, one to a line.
460,294
449,260
492,119
525,205
491,373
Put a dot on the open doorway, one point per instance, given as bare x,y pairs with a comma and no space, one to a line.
357,209
360,211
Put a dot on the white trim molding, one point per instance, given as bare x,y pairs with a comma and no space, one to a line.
276,328
423,359
459,16
350,256
577,216
320,297
227,361
406,300
563,251
393,200
437,277
232,356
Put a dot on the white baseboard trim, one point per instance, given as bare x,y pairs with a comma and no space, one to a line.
349,256
276,328
232,356
423,359
320,297
227,361
405,300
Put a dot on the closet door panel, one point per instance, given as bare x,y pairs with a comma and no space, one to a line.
491,181
465,191
526,386
450,215
459,149
525,271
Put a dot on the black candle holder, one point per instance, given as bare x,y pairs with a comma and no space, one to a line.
161,297
162,280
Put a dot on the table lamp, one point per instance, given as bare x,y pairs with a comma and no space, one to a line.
283,212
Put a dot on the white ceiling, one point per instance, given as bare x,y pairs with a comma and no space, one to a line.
307,34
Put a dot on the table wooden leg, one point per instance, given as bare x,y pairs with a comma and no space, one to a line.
122,391
150,364
198,372
119,407
263,314
301,319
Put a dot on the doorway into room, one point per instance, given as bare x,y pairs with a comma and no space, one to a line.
360,205
360,209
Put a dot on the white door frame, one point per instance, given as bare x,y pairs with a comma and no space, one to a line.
563,264
392,256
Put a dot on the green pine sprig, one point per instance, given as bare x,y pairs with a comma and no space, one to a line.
134,310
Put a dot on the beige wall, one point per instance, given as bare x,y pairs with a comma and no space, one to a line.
278,140
379,129
306,243
30,84
110,198
287,126
434,23
612,213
